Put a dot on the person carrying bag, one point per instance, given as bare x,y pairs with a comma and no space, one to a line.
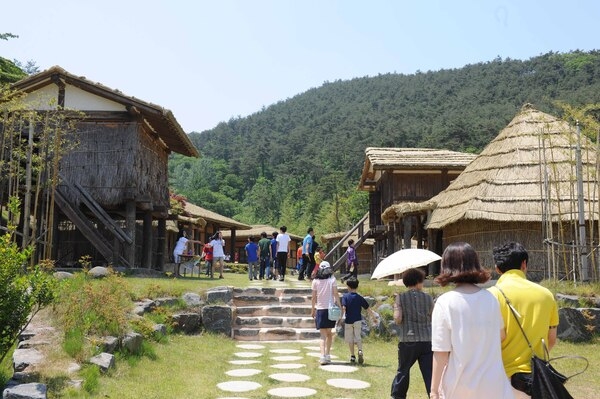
544,382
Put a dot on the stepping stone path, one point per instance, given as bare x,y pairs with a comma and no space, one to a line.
284,368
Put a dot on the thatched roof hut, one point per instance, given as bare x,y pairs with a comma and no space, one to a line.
522,187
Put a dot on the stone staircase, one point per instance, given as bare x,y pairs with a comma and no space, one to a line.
273,314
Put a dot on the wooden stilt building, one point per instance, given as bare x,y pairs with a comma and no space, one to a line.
112,185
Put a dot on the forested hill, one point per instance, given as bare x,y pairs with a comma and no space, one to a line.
295,160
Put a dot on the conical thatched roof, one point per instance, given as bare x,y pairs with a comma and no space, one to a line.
506,182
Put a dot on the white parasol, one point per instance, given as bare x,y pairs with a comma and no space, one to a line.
403,260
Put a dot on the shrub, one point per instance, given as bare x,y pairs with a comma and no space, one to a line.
92,307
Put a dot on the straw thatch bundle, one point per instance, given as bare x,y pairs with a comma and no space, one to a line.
523,187
527,173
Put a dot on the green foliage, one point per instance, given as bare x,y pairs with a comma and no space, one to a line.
10,72
23,291
299,161
91,307
91,378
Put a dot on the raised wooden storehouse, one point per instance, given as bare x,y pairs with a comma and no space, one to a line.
113,183
524,187
400,182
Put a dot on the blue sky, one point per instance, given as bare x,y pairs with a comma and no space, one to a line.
209,61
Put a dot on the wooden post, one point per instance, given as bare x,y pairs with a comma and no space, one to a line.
130,226
160,244
147,241
407,225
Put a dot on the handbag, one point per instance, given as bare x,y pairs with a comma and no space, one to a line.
334,313
545,381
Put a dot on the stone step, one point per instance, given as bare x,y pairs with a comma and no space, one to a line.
276,334
271,322
275,310
241,300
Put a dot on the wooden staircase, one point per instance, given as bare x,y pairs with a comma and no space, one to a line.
273,314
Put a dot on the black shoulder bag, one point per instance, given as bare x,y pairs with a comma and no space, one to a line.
546,382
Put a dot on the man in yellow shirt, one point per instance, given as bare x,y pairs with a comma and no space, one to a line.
536,310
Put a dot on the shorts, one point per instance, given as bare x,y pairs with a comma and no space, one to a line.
177,258
352,332
322,319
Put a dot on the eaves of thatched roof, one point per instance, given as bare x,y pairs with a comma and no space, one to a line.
379,160
397,211
526,174
212,217
160,119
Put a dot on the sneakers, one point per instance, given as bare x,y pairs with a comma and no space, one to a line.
352,359
361,359
326,359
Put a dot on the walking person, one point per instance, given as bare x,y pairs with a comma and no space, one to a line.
265,256
351,262
217,243
412,314
252,255
308,259
324,293
274,263
535,306
207,253
352,305
467,331
283,251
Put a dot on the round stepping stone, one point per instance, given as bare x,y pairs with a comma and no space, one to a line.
318,354
289,377
243,372
248,354
339,368
282,351
250,346
292,392
313,348
286,358
238,386
288,366
348,383
244,362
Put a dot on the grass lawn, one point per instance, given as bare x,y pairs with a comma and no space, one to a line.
192,366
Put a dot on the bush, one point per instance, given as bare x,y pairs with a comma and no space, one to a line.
92,307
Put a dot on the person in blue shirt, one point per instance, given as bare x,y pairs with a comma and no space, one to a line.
352,305
274,269
252,254
308,256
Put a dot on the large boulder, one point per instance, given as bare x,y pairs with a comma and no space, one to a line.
592,316
98,272
25,391
573,326
187,323
132,342
192,299
217,319
23,358
104,360
219,295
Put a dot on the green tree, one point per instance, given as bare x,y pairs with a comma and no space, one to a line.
23,291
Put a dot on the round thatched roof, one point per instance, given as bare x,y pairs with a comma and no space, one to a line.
527,173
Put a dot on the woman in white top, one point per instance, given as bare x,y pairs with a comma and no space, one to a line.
181,248
324,293
217,243
467,331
